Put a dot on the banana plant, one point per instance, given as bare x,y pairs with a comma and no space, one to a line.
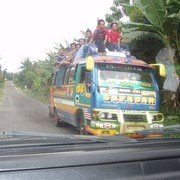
163,17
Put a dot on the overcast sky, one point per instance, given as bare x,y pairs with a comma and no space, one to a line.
29,28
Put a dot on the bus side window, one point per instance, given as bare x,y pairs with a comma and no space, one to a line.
85,78
54,78
59,77
82,76
66,76
51,81
88,81
71,75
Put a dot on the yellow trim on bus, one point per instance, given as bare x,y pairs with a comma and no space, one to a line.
101,132
67,108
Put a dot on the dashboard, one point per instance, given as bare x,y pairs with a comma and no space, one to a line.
150,159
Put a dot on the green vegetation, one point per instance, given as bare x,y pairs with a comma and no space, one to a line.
2,79
34,77
36,95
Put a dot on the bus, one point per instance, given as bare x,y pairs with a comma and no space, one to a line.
106,95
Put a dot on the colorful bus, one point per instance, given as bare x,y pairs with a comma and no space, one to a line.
106,95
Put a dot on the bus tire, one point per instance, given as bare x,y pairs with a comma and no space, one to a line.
57,121
82,130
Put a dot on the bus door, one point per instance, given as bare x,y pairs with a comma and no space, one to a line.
82,96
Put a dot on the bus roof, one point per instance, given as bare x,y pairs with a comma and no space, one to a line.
119,60
110,59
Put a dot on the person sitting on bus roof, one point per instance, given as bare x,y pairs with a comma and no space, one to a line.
124,47
99,36
78,46
70,53
72,46
82,41
87,35
61,55
114,38
80,53
91,50
84,51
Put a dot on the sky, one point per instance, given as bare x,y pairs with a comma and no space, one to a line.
30,28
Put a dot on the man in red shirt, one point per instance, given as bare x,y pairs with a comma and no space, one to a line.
114,38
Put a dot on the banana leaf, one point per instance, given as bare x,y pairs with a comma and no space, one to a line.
140,35
172,22
153,10
140,26
128,8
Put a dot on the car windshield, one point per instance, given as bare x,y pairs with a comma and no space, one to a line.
125,77
93,68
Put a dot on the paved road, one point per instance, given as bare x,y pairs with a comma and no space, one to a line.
19,112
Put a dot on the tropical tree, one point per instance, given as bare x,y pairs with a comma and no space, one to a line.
36,75
164,21
116,10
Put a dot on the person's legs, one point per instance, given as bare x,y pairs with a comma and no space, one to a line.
125,47
101,47
116,47
91,50
110,47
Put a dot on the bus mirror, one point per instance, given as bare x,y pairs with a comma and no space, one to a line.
162,70
89,63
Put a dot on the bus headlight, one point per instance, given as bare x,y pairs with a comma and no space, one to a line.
109,116
102,116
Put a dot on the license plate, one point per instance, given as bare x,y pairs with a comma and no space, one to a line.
156,125
132,129
105,132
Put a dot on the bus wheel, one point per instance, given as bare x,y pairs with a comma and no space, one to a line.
57,121
82,130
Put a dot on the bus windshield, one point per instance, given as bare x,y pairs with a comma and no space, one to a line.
124,76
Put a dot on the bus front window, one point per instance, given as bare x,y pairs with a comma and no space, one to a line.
124,77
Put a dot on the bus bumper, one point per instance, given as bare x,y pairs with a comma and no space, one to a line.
102,132
123,122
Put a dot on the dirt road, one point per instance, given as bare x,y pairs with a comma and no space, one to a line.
19,112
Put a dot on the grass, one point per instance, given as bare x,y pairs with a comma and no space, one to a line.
36,95
171,117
